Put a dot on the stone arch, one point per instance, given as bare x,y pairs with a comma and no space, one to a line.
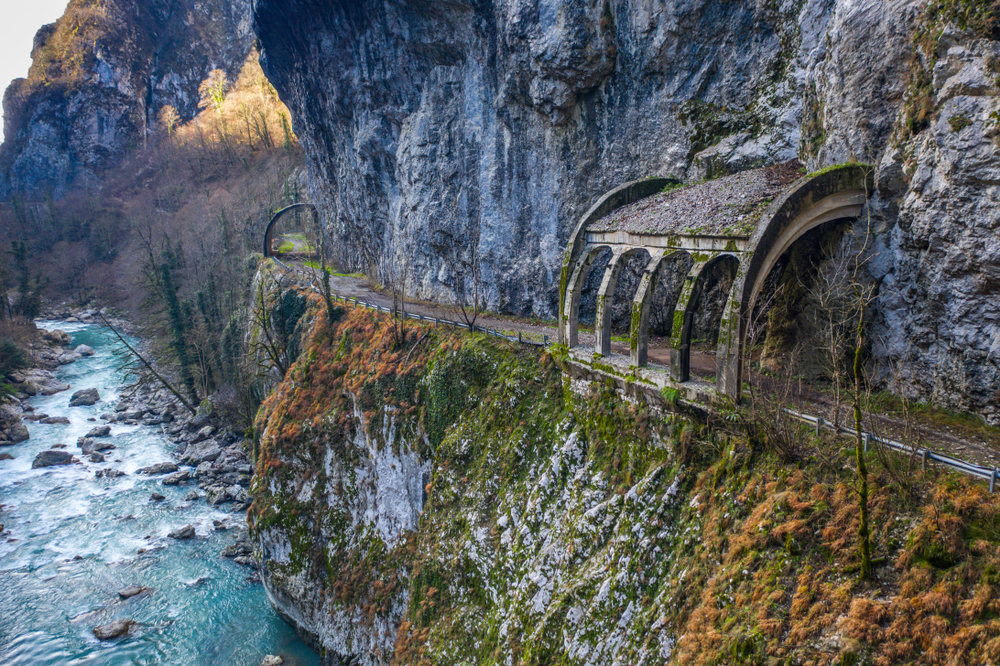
269,231
837,192
700,273
575,253
570,331
639,332
605,297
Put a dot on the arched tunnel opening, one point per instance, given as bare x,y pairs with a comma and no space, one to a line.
717,283
804,318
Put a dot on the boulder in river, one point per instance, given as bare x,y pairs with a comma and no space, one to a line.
157,497
52,387
84,398
190,497
84,350
55,420
185,532
100,431
115,629
52,458
272,660
67,358
89,446
131,591
203,433
18,433
108,473
159,468
96,457
238,548
6,456
197,453
176,478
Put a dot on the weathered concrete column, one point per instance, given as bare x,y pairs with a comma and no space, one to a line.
571,312
639,332
732,331
605,295
680,333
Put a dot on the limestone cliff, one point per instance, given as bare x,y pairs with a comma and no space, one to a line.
439,134
441,498
99,77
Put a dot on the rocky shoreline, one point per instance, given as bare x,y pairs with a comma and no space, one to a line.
208,454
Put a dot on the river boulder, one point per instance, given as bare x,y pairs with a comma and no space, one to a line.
88,445
52,387
84,398
131,591
66,359
84,350
116,629
186,532
159,468
52,458
197,453
55,420
108,473
176,478
100,431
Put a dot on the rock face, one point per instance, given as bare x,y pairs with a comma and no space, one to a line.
940,296
100,76
441,135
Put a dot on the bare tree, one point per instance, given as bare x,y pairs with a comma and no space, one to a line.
394,275
467,283
148,366
267,341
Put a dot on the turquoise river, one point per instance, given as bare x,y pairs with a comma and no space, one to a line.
71,540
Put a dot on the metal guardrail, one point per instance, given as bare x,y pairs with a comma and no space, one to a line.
925,455
419,317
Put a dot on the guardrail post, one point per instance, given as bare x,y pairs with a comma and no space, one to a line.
868,441
545,340
819,425
519,339
923,460
993,480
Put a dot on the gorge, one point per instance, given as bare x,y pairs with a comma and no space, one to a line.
427,494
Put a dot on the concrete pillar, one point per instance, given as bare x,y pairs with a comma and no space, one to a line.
680,334
605,296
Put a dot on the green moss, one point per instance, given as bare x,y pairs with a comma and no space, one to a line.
959,123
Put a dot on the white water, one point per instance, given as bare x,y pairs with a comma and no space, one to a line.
49,602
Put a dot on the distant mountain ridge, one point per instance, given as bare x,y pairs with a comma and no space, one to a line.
99,77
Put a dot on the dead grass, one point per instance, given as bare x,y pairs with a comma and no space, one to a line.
780,586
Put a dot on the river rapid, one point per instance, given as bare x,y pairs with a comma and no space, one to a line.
71,544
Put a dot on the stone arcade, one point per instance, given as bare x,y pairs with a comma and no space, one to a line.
748,219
